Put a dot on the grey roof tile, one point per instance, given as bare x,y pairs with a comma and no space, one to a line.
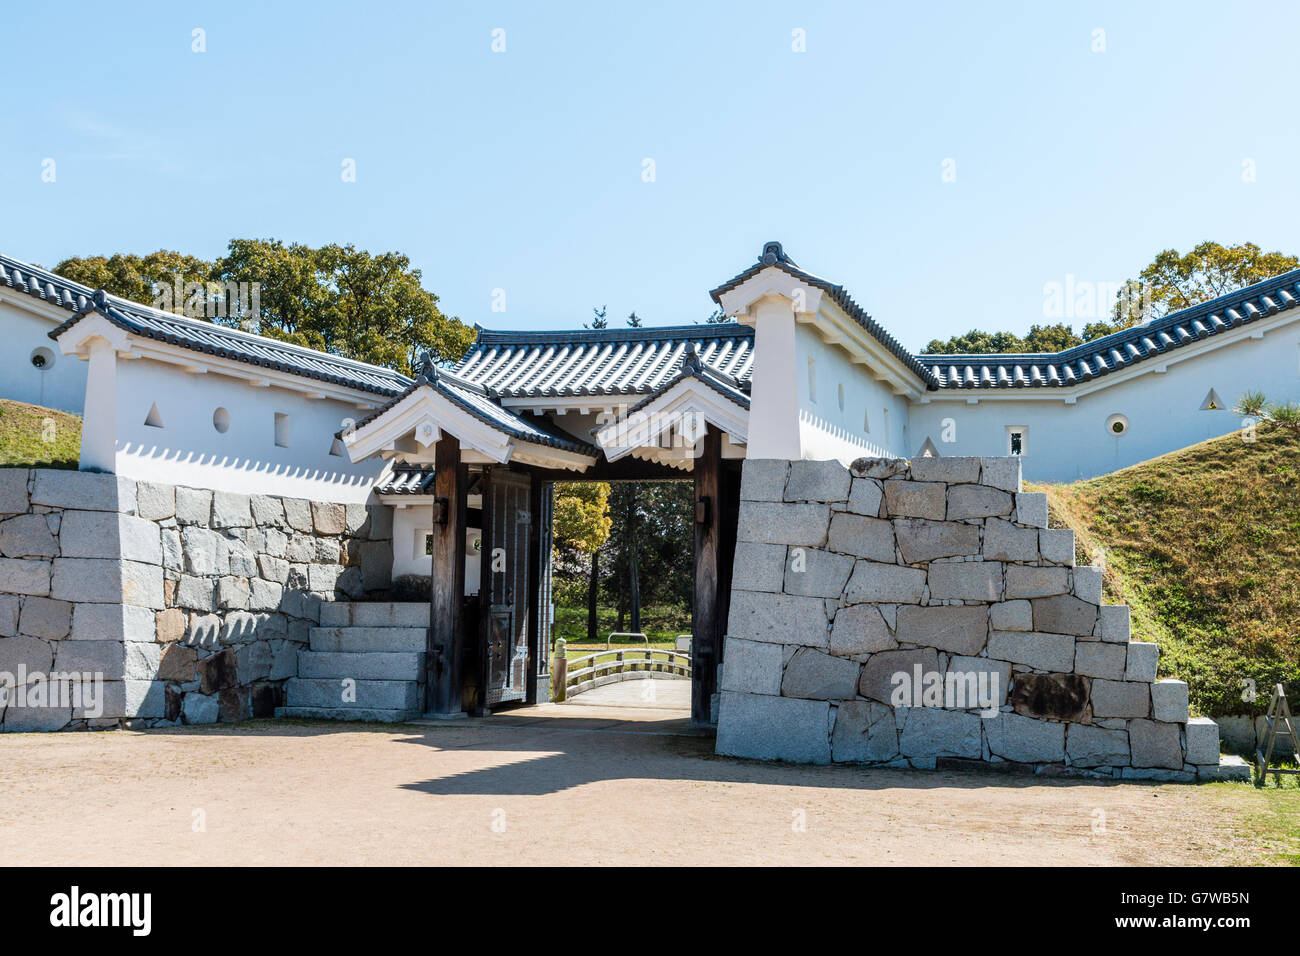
612,362
692,366
1120,350
223,342
42,284
478,402
773,256
601,362
407,481
194,334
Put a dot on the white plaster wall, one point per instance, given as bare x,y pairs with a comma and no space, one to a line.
580,425
410,525
829,432
408,522
189,451
62,384
1069,442
773,406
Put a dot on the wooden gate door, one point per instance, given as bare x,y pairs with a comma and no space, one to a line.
508,519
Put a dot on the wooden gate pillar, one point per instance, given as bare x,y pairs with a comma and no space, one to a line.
540,506
706,620
444,657
477,695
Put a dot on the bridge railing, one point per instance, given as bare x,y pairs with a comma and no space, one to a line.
609,638
570,677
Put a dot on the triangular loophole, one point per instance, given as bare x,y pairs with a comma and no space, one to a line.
154,418
1212,402
928,450
336,448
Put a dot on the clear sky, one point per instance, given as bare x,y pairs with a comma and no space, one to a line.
524,170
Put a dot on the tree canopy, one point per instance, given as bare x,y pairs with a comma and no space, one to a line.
581,521
626,545
1171,282
1176,281
1041,338
135,277
337,299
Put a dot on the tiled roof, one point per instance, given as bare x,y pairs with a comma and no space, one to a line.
41,284
692,366
773,256
601,361
223,342
644,361
1121,349
475,400
199,336
407,481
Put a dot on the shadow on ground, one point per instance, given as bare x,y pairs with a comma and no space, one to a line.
525,753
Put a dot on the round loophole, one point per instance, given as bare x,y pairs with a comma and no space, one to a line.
221,420
1117,424
42,358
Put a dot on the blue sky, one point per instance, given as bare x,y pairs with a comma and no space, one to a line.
523,170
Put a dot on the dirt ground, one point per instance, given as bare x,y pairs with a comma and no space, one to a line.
562,784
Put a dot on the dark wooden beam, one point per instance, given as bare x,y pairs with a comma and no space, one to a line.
445,643
706,619
625,469
729,516
477,704
536,650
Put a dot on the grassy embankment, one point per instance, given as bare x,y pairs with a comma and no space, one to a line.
36,437
1203,544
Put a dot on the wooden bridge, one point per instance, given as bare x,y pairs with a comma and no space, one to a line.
572,677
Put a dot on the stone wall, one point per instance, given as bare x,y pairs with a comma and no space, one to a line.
191,604
850,584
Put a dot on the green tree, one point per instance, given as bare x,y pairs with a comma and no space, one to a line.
581,523
1285,415
1173,281
718,317
598,320
651,547
378,312
667,542
976,342
337,299
627,517
1095,330
581,518
634,320
293,296
1050,338
137,278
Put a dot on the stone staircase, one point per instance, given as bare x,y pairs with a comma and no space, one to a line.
379,646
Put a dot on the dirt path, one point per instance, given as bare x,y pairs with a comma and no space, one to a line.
659,694
553,785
